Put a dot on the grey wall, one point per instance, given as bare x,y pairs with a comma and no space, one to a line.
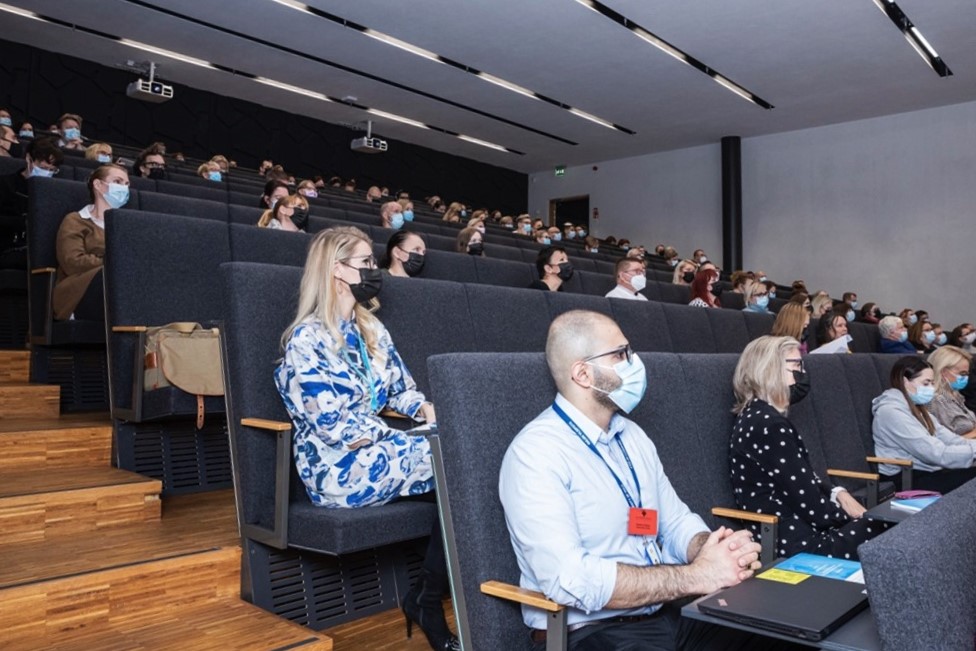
883,206
672,197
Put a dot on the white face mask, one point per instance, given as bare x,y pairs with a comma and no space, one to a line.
638,282
970,338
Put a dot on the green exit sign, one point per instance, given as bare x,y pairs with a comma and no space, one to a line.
560,170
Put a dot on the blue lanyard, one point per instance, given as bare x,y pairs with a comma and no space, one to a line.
589,444
368,377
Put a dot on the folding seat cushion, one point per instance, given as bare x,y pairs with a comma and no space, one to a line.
728,330
594,284
251,244
643,323
503,272
174,204
192,191
243,214
508,319
758,325
425,317
443,265
678,294
690,328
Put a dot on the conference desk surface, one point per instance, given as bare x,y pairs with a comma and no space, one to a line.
886,513
859,634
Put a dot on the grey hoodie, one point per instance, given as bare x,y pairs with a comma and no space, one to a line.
898,434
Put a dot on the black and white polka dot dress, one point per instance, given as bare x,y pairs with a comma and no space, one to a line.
771,473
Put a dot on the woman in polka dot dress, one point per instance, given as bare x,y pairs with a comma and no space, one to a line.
770,465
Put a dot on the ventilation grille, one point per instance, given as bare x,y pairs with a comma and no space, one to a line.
82,375
184,459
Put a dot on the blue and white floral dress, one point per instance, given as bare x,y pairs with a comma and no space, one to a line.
326,390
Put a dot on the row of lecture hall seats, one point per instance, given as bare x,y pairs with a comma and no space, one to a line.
484,399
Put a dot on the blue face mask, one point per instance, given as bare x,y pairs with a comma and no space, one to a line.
850,315
625,247
580,234
104,158
117,195
408,215
397,220
942,339
763,279
72,134
595,249
923,395
762,302
6,122
546,241
929,336
558,237
854,304
960,383
903,336
772,294
526,228
570,235
913,319
633,384
464,213
215,176
26,133
36,170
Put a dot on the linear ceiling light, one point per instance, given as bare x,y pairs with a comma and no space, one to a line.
437,58
669,49
914,37
261,80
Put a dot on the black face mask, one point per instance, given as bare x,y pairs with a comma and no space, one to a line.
414,263
804,334
717,291
565,270
369,285
300,218
157,174
800,389
16,150
476,248
688,276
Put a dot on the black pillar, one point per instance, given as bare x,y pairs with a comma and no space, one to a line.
731,203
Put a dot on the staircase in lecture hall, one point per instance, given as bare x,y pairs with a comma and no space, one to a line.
93,558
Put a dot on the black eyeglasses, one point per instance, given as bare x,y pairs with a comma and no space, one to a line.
367,261
625,350
796,360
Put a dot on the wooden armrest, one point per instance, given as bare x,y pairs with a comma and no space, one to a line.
521,595
737,514
129,328
264,423
890,462
853,474
389,413
43,270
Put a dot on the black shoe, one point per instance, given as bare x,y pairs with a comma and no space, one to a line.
423,605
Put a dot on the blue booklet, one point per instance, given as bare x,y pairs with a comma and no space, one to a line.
829,568
915,504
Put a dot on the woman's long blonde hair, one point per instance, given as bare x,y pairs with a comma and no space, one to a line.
790,321
944,358
759,373
319,289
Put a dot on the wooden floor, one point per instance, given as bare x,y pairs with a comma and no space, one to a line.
383,632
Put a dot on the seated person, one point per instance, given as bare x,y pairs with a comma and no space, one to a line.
870,313
43,158
851,299
391,215
274,191
821,305
569,231
554,269
922,315
635,253
703,290
407,206
671,257
453,212
590,243
100,151
470,241
894,336
568,484
908,317
26,131
963,336
555,235
699,256
405,254
803,299
507,222
922,337
6,120
523,226
770,465
800,286
631,279
223,165
69,127
210,171
684,272
770,288
150,163
831,326
538,225
951,367
307,189
941,338
81,247
339,370
288,214
541,236
739,279
756,297
904,429
373,194
793,321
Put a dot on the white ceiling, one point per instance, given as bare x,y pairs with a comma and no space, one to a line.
817,62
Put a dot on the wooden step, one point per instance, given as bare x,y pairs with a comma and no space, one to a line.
14,366
124,598
35,505
189,524
21,400
230,625
51,444
384,631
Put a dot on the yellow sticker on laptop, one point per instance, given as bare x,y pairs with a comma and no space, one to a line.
783,576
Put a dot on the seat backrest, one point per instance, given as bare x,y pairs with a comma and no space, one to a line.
643,323
866,338
49,201
691,331
507,273
758,325
678,294
594,283
237,214
186,206
444,265
253,244
522,326
920,576
192,191
728,330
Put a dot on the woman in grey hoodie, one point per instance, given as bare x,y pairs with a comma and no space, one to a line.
903,428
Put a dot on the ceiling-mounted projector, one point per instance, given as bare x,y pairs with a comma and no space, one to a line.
150,90
368,144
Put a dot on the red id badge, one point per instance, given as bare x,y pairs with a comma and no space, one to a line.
642,522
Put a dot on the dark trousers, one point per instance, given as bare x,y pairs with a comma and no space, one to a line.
667,630
92,304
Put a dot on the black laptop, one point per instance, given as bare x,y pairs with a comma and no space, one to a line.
810,609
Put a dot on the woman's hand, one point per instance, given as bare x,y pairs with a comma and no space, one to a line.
850,505
427,411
